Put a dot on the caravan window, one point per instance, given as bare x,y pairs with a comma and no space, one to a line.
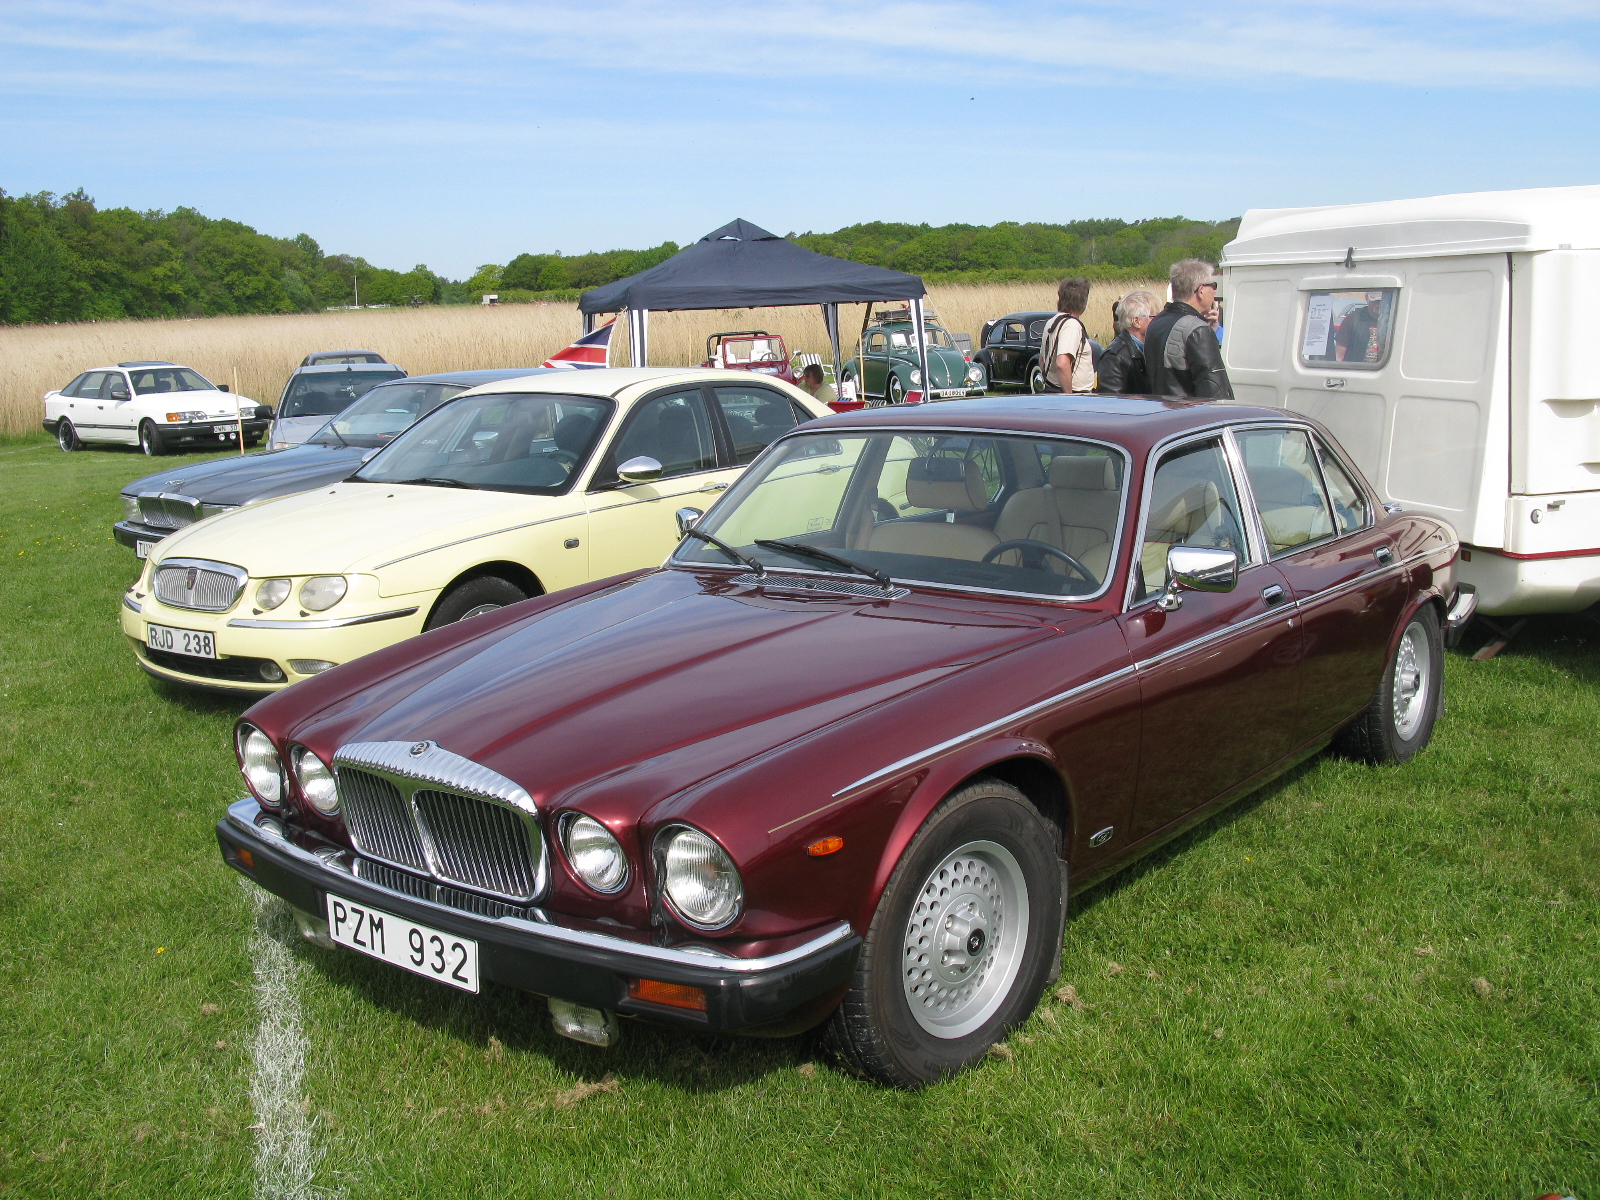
1349,329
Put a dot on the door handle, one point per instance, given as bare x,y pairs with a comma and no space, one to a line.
1384,554
1273,594
712,487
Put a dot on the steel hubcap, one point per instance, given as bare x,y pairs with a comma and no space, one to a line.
1411,681
477,610
963,942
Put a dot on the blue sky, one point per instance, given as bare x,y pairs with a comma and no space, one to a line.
456,133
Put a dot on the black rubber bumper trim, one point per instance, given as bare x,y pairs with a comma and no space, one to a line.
128,534
519,956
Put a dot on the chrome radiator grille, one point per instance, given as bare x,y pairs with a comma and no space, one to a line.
415,805
193,583
163,510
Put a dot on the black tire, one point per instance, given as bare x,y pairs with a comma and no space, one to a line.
473,598
151,441
894,391
875,1033
1381,734
67,436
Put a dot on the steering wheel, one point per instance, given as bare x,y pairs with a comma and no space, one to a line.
1026,544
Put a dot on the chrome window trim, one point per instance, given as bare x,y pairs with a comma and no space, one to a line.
673,560
436,767
329,623
696,957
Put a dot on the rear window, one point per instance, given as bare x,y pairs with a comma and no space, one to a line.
328,394
1349,329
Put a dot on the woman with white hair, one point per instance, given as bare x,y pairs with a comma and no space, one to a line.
1122,364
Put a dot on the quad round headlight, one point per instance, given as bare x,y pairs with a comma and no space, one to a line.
700,879
594,854
317,783
260,765
323,591
272,593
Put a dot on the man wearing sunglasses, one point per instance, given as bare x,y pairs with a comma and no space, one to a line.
1181,354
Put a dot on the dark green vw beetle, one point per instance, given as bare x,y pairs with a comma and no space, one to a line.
888,351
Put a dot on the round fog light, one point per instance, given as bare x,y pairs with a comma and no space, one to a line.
272,672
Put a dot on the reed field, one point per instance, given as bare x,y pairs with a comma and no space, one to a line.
257,353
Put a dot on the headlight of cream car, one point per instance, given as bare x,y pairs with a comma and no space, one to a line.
594,854
130,508
260,765
322,591
317,783
700,879
272,593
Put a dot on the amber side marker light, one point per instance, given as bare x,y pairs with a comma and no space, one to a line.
830,845
677,995
244,858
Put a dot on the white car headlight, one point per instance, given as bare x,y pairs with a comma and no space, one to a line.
974,374
272,593
595,855
317,783
916,375
322,591
700,879
130,508
260,765
186,415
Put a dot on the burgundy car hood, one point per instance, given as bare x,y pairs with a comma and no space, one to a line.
647,688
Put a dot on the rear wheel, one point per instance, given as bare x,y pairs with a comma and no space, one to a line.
151,441
961,944
1399,721
1036,379
474,598
67,436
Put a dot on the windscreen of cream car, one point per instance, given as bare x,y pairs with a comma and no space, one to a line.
1012,514
383,412
527,442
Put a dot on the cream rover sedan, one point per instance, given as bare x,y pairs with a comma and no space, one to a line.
511,490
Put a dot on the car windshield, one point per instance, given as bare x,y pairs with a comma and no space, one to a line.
326,393
1002,513
528,442
753,350
167,379
383,412
906,339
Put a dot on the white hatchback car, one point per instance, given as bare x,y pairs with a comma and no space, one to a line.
157,406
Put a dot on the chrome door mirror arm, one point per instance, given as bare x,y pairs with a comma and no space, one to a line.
1197,569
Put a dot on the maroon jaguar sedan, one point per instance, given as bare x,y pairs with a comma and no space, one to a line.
917,677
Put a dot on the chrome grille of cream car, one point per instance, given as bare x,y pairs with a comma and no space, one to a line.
415,805
163,510
198,584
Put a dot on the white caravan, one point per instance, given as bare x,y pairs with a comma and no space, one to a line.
1447,343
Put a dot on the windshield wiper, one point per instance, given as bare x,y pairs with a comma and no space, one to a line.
737,557
429,481
816,552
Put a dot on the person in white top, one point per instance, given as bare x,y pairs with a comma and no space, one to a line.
811,380
1066,355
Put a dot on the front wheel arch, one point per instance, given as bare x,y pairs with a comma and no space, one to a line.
512,572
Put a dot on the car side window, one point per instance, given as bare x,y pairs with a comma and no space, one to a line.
755,416
72,388
1015,333
115,387
88,386
1282,469
875,343
673,429
1193,502
1350,506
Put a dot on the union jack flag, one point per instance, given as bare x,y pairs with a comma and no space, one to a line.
590,351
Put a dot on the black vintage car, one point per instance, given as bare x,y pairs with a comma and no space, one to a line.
158,504
1010,353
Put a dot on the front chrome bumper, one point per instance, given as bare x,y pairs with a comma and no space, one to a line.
537,953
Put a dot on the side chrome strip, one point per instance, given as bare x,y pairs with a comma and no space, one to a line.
1022,714
331,623
699,959
1282,613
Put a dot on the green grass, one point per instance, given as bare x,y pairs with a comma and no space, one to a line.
1358,983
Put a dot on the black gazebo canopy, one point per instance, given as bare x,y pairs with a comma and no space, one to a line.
743,266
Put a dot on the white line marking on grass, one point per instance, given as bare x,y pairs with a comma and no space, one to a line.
286,1154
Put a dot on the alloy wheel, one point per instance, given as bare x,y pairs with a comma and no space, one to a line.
1413,679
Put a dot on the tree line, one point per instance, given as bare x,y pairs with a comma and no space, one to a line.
64,259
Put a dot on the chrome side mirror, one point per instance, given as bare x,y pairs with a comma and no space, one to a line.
640,470
1197,569
686,520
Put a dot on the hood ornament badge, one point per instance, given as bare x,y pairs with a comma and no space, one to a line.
418,749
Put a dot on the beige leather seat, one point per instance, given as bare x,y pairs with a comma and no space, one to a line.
953,484
1194,517
1076,511
1290,504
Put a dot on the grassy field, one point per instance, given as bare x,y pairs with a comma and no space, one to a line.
256,354
1362,983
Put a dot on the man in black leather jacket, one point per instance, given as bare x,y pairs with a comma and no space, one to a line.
1181,354
1121,365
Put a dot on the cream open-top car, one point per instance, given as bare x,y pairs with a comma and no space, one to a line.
510,490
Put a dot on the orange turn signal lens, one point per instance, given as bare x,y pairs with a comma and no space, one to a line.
828,845
246,859
677,995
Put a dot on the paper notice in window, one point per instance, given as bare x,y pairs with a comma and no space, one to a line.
1319,326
